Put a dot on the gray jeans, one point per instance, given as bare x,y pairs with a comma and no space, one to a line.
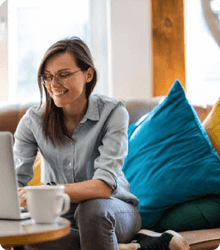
101,224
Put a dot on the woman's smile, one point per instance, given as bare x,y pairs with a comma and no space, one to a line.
59,93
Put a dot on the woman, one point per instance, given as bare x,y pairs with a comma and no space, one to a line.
82,139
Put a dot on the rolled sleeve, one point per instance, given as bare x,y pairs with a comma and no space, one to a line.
114,147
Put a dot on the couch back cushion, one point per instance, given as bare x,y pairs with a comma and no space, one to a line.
138,108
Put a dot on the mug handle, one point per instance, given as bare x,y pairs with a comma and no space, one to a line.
66,200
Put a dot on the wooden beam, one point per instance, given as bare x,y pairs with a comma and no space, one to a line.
168,45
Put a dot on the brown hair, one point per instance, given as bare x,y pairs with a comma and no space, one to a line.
54,126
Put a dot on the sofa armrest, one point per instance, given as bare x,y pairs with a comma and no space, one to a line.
11,114
207,239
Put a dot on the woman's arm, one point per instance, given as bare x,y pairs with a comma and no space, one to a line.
108,165
24,150
113,148
86,190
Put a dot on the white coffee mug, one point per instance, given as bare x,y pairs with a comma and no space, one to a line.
46,203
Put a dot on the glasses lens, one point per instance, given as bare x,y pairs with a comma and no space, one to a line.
46,80
59,78
62,78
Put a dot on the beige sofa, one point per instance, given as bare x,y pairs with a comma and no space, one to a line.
199,239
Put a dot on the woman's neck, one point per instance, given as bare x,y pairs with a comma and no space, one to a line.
74,114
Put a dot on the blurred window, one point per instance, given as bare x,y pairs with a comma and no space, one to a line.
202,55
36,25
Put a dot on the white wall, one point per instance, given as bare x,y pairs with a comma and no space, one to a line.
130,47
100,43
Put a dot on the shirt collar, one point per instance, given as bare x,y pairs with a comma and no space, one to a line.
92,112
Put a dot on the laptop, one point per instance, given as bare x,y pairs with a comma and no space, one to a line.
9,198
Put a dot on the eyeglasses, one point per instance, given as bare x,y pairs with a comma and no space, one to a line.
61,78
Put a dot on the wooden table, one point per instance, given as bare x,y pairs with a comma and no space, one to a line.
14,233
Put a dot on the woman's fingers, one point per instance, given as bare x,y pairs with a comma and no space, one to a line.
22,196
21,189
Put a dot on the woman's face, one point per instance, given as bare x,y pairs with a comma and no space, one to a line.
73,89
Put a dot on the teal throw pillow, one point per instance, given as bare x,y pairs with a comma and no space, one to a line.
170,158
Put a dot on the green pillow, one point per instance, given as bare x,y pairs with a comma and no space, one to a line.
202,213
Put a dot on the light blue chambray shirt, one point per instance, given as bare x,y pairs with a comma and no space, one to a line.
97,151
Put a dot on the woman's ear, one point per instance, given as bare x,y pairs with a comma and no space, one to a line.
90,74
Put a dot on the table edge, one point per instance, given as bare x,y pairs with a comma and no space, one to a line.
35,238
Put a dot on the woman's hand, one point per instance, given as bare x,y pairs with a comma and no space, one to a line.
22,197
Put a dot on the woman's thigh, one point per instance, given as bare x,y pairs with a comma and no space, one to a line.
105,215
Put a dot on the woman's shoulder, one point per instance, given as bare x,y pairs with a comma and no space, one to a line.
108,106
106,101
36,109
35,112
31,119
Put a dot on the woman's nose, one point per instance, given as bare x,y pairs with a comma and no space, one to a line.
55,83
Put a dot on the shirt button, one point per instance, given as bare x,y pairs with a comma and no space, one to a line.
70,164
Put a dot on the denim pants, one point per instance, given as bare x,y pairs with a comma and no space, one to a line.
99,224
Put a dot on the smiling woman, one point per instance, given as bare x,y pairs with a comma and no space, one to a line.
82,139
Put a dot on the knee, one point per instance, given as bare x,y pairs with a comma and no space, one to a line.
94,212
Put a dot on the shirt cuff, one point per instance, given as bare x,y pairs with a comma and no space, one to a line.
107,177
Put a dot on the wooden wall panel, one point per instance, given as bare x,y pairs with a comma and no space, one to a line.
168,49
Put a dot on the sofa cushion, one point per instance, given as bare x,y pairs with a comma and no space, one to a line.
170,159
212,126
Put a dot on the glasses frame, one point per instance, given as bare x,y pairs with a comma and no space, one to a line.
52,77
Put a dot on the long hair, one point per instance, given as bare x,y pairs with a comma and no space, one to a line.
54,126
